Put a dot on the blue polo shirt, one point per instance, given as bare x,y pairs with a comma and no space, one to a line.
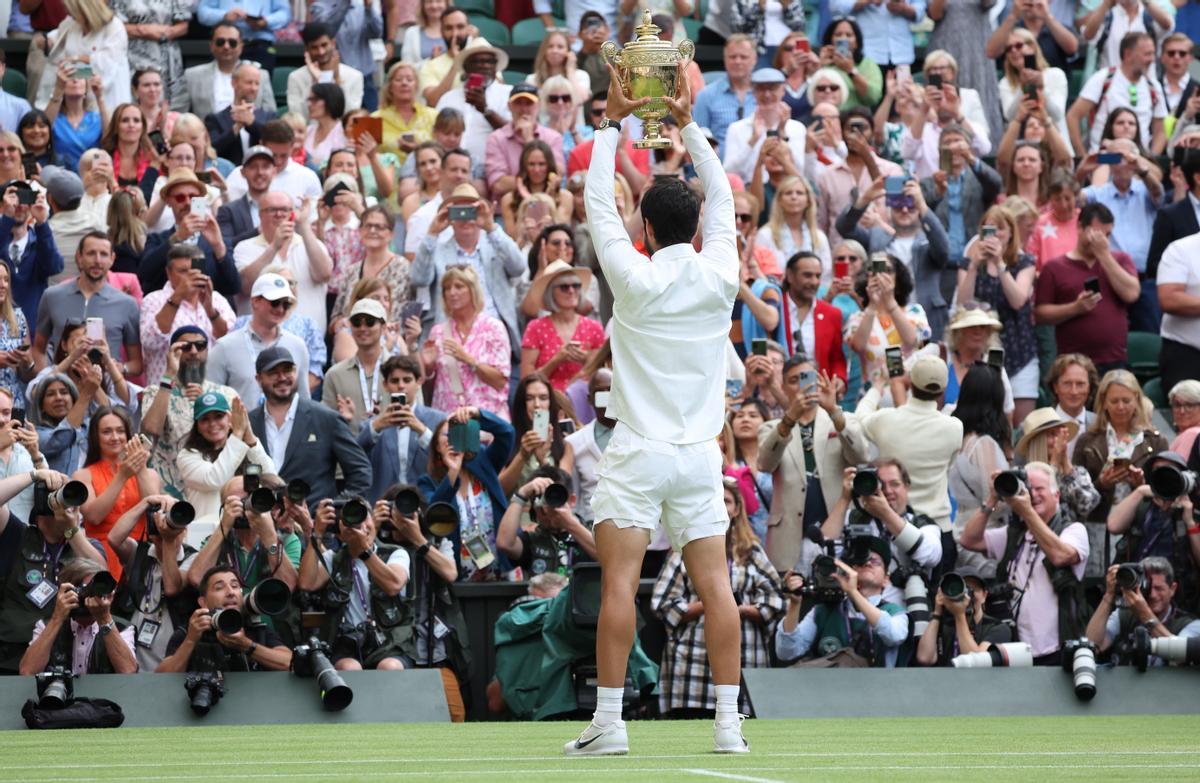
1133,218
717,107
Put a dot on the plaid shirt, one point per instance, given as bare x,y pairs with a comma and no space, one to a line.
686,679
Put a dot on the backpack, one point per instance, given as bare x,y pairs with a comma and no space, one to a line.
1147,22
1108,78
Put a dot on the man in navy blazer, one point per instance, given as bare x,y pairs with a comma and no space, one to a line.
238,127
305,439
410,425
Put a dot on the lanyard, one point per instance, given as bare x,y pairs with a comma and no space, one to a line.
251,563
52,573
149,591
360,591
370,397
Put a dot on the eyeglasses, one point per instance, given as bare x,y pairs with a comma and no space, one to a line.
196,347
374,227
276,210
231,43
184,198
744,216
10,150
874,561
570,287
1015,46
558,98
1176,53
364,320
1177,405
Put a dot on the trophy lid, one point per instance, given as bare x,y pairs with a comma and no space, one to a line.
647,35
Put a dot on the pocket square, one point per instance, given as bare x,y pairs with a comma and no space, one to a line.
312,437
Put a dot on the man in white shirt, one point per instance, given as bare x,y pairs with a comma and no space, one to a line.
482,100
589,443
230,361
1179,297
286,235
669,329
300,182
456,170
322,63
1112,20
772,117
1129,87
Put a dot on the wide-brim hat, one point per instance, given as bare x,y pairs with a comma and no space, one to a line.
975,316
465,192
478,45
1043,420
554,270
182,176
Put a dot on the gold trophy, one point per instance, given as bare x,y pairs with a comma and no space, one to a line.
647,68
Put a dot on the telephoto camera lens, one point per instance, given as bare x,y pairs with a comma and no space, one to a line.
1128,576
1079,658
916,598
102,583
407,502
953,586
227,620
1168,482
555,496
1009,483
335,693
440,520
353,512
269,597
997,655
865,481
298,490
181,515
1179,650
73,494
262,500
55,688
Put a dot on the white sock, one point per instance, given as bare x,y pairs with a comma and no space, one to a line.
608,705
727,702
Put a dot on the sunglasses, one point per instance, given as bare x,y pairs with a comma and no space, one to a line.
1176,53
827,88
1015,47
558,98
597,112
231,43
194,347
280,304
570,287
184,198
364,320
276,210
743,216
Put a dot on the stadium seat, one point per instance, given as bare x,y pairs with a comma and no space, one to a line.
514,77
484,7
1074,84
712,76
528,32
692,26
1156,394
14,83
495,32
279,79
1143,354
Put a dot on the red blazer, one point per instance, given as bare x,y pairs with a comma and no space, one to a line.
827,326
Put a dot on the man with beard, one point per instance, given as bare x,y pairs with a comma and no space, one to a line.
270,301
813,325
239,219
90,296
439,75
322,63
305,439
168,405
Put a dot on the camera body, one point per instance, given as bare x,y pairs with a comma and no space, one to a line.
55,687
865,481
821,585
312,660
204,690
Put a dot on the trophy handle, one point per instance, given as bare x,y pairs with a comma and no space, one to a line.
687,51
613,55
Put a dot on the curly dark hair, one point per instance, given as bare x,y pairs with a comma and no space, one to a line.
904,281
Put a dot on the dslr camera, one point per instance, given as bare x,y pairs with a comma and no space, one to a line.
1010,483
178,518
1178,650
312,660
55,688
350,512
554,496
865,481
821,585
1079,659
204,690
1131,576
262,500
73,494
440,520
102,584
1169,482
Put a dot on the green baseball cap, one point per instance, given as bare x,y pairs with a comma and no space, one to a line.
209,401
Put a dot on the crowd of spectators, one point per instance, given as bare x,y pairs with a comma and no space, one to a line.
969,241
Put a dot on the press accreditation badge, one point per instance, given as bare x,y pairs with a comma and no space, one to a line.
42,593
147,632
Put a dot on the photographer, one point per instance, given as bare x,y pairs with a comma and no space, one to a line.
90,640
155,588
1154,610
398,439
365,620
1160,527
433,571
970,629
558,540
254,648
914,538
247,540
31,557
1042,556
862,629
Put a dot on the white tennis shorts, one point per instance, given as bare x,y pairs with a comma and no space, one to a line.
643,481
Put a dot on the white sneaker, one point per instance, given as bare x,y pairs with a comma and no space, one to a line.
728,736
610,740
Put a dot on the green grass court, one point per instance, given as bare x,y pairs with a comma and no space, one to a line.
1159,748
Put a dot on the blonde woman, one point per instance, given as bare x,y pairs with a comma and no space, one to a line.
423,40
190,129
406,122
91,34
16,368
942,63
555,58
127,228
792,226
1119,442
1051,83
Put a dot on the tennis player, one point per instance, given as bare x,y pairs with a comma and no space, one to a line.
669,327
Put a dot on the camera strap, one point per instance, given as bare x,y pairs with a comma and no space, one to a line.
370,393
51,562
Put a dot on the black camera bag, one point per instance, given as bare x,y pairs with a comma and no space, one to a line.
81,713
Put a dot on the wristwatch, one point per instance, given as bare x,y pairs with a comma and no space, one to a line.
273,549
1149,624
69,533
423,549
366,554
106,629
607,123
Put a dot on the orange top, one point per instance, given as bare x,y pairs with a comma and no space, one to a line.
103,474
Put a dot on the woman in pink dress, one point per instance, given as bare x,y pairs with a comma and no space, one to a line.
559,344
468,354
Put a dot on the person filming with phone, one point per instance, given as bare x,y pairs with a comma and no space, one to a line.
194,223
398,439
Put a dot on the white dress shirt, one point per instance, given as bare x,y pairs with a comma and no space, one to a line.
670,317
278,435
740,155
